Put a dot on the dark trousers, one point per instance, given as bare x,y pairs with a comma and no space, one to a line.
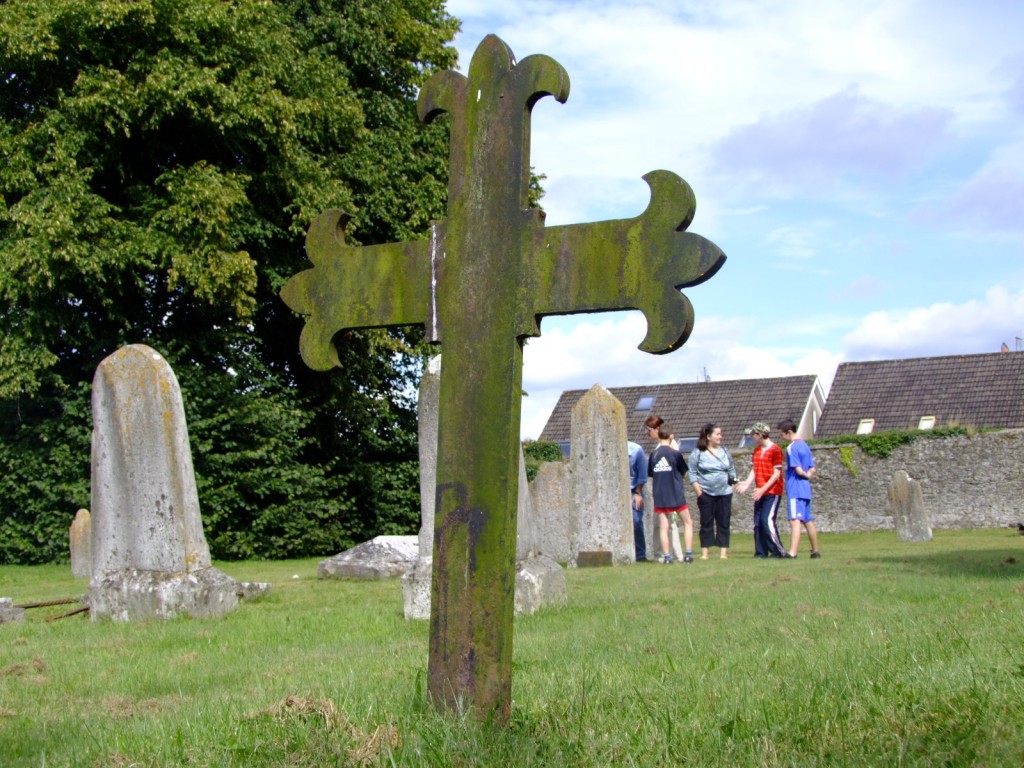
715,517
766,531
638,534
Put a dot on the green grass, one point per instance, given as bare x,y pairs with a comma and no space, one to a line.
881,653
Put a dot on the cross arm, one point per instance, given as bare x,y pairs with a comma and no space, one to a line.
640,263
370,286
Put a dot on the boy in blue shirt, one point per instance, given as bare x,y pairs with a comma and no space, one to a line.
799,471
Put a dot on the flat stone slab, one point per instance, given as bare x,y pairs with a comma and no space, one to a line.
540,583
384,557
8,613
252,590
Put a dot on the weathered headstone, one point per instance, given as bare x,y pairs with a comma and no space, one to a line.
150,557
650,524
80,544
600,519
906,503
551,497
539,579
382,557
9,614
480,285
416,583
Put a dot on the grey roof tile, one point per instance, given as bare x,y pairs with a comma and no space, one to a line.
970,390
732,405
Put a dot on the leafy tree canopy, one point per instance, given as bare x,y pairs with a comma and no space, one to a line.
160,161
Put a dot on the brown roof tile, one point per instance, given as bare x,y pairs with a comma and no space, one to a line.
970,390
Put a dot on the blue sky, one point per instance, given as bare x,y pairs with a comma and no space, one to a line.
861,165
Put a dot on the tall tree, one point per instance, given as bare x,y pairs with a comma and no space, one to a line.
160,161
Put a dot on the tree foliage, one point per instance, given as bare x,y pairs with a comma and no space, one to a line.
160,161
537,452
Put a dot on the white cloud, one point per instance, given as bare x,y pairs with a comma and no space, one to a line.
601,349
993,198
817,145
656,84
940,329
865,159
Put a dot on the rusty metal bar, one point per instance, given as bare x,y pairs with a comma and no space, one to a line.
48,603
83,609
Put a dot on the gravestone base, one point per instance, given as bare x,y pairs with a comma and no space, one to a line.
9,614
540,581
383,557
131,594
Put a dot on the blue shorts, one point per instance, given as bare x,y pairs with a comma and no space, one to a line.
800,509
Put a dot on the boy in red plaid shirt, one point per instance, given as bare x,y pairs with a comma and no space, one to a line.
766,476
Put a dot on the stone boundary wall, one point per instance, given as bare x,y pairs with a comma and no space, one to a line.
967,482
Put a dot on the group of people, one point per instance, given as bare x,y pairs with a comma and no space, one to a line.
712,475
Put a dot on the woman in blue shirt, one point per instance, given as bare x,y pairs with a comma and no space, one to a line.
712,475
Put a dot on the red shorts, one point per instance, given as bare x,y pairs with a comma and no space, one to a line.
670,510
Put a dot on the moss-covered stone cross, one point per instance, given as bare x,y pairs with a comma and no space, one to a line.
480,284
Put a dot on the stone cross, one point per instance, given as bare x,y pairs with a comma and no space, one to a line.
480,284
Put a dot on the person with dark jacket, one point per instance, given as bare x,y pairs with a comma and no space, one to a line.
666,468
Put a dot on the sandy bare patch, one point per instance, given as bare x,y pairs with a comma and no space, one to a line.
365,748
123,707
35,667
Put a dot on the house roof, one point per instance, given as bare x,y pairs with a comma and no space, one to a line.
970,390
732,405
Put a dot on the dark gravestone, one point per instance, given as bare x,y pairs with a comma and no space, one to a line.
480,285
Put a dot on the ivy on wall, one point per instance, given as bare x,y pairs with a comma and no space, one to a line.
882,444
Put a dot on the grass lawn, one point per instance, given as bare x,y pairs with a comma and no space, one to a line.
880,653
